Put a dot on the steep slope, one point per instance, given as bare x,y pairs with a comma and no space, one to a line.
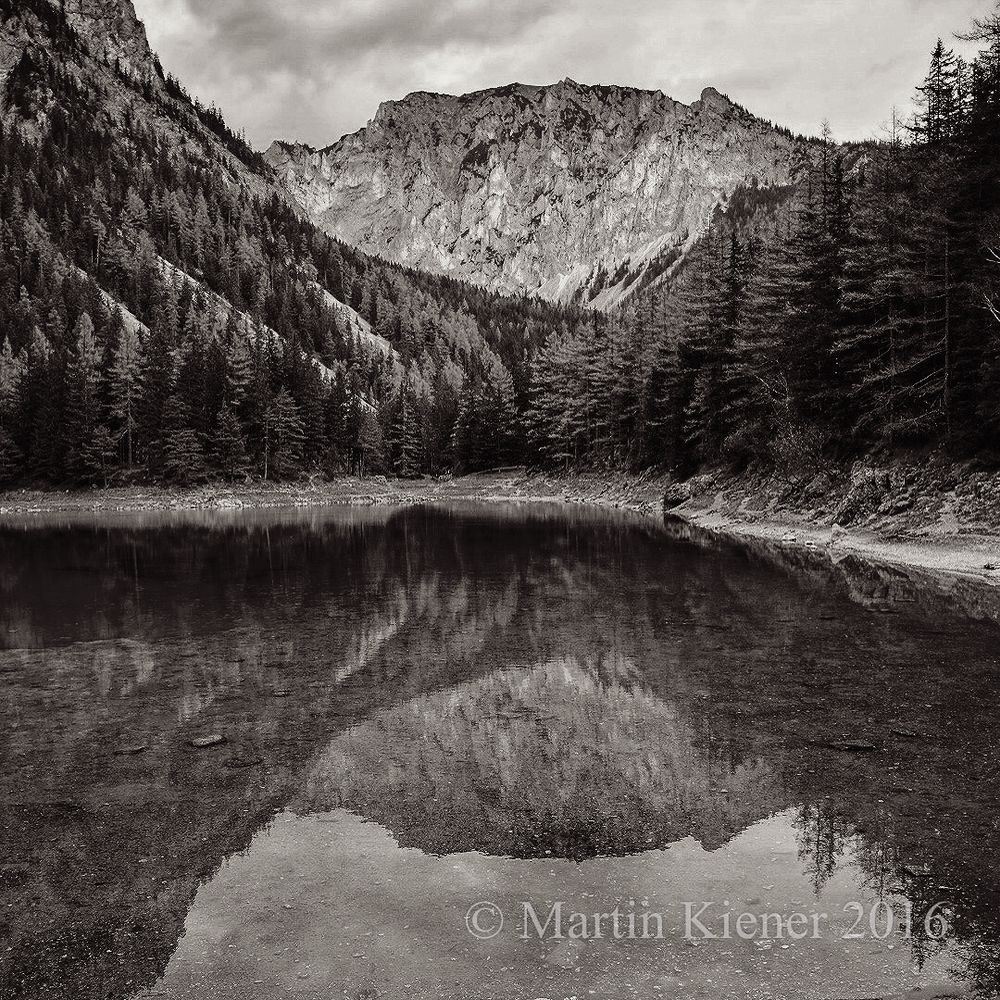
113,32
570,191
156,281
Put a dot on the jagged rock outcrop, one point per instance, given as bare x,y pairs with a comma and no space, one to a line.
565,190
110,30
113,31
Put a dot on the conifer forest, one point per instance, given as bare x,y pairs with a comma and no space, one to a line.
159,322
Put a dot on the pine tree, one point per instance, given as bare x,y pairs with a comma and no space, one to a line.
285,438
11,459
183,458
230,449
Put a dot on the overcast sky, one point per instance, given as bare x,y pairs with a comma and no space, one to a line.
313,70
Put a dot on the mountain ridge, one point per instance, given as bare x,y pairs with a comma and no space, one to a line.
547,189
708,94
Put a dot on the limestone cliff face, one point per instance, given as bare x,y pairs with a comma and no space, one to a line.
566,190
113,30
110,29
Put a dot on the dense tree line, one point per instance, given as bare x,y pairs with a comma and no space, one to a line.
164,314
858,313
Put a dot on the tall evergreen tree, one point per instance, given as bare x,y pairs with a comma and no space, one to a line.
229,447
181,451
284,438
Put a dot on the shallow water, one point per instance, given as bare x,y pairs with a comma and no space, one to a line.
432,717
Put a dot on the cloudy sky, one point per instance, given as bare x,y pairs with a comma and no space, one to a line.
313,70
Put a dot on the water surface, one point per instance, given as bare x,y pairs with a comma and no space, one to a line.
430,708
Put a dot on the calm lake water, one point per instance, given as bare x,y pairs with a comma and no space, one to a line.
433,717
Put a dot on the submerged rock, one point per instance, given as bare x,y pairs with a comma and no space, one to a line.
203,742
854,746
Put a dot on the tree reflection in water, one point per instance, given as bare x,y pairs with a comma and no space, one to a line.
519,681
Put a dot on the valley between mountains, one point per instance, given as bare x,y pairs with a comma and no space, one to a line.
568,278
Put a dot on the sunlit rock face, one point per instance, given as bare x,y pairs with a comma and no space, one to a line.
113,31
109,29
569,191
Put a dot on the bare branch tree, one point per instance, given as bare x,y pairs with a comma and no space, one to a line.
984,29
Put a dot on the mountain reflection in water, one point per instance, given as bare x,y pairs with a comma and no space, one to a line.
555,705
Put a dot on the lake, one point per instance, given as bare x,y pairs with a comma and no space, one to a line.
487,751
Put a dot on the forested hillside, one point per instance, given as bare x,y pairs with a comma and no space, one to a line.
167,315
857,313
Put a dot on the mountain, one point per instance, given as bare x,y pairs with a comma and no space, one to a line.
174,308
114,32
569,191
110,30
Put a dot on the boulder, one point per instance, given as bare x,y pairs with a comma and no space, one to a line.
869,490
675,495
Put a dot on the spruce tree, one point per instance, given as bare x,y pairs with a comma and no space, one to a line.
285,438
371,444
11,459
43,399
156,387
229,446
183,458
82,408
124,390
407,442
99,453
12,371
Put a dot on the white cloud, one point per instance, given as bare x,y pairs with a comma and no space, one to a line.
316,69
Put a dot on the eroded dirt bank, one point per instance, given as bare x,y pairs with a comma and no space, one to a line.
930,514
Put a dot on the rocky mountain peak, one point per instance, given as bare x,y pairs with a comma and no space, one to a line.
712,100
112,29
554,189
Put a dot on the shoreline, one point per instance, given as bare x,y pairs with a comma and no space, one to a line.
622,492
960,555
725,507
